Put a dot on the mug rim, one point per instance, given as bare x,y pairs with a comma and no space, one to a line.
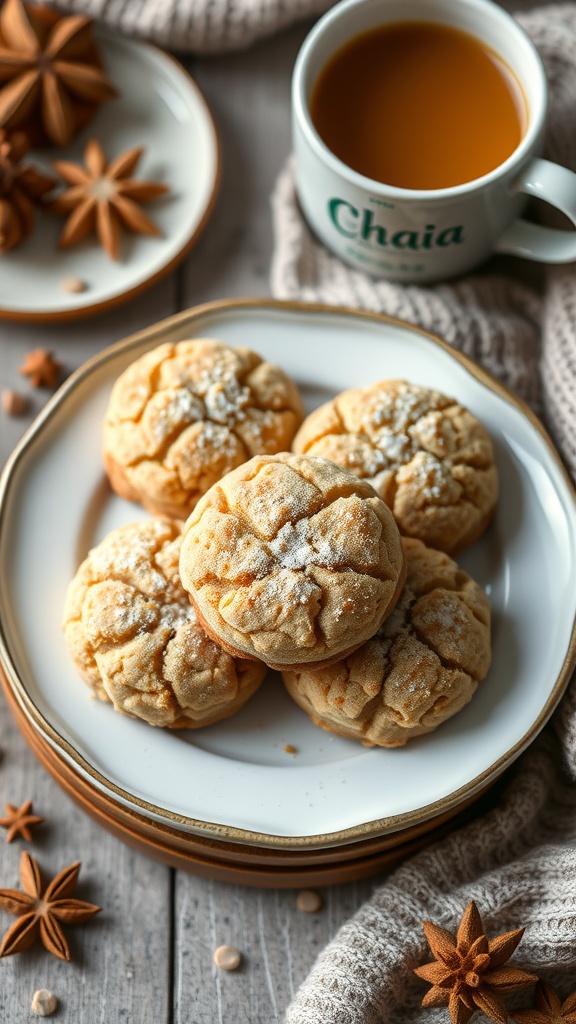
524,149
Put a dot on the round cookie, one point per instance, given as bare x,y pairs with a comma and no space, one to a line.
135,639
427,457
291,560
422,666
182,416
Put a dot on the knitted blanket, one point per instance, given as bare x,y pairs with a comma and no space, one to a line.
199,26
203,26
518,862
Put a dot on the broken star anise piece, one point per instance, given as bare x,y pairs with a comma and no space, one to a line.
40,910
41,368
548,1008
21,186
50,74
103,198
19,820
469,971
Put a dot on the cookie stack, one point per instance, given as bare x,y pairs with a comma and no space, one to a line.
330,563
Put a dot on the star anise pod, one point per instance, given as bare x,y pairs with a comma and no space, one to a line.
548,1008
103,198
51,71
19,820
41,368
468,973
39,910
21,186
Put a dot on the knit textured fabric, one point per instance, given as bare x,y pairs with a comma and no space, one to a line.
197,26
518,860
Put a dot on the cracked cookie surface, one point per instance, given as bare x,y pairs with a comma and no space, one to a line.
183,415
427,457
135,639
291,560
422,666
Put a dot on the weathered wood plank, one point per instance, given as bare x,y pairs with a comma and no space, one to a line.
72,344
121,964
121,960
249,95
278,942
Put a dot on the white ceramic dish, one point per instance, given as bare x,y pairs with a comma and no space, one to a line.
234,779
161,108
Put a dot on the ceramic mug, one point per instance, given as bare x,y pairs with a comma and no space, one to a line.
427,235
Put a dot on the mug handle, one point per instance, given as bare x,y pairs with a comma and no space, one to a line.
557,186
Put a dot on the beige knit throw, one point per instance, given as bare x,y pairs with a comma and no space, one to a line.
200,26
518,861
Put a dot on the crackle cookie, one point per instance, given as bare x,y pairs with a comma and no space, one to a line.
291,560
427,457
422,666
135,639
182,416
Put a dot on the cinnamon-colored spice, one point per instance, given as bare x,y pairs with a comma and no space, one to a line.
40,909
469,972
41,368
50,74
22,186
19,821
548,1008
103,198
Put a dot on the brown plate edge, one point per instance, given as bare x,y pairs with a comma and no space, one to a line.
211,860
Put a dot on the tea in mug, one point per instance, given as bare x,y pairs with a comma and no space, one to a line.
418,105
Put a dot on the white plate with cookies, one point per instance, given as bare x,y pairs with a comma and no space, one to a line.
267,775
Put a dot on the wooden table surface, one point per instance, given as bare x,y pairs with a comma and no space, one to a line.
147,958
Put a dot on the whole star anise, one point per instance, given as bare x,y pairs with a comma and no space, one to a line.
548,1008
468,973
19,820
39,910
103,198
50,70
21,186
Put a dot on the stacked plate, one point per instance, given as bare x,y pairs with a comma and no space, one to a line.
160,107
265,798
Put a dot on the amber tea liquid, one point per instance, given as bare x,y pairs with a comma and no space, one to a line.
419,105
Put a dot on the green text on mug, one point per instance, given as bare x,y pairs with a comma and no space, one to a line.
418,127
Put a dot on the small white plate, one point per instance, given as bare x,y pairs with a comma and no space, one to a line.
234,779
161,108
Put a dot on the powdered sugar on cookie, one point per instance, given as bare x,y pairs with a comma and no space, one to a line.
184,415
427,457
422,666
136,639
292,560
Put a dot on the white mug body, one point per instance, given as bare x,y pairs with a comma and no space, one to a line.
427,235
403,238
